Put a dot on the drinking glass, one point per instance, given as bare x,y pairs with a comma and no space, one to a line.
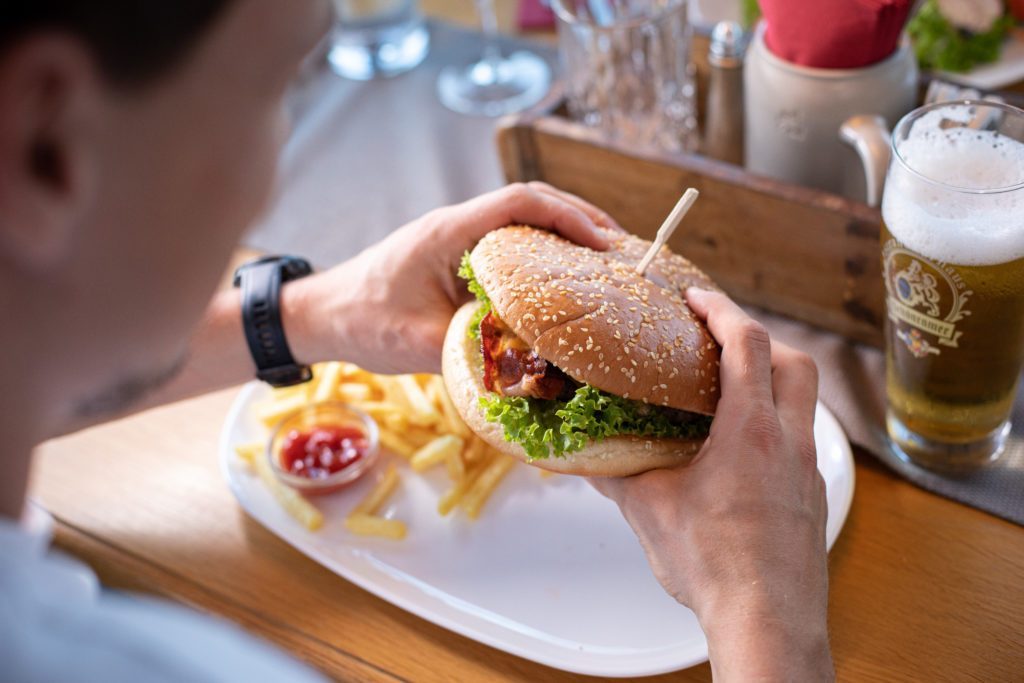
495,84
953,262
628,71
377,38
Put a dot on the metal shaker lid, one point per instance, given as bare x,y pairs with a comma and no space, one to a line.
726,41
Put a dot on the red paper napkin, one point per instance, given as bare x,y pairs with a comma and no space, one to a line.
533,16
834,34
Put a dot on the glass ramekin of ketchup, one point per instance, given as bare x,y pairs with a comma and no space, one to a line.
323,447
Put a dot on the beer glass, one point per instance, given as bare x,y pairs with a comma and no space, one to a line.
953,262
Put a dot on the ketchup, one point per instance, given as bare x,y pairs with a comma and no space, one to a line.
322,451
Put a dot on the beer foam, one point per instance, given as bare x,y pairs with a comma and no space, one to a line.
962,227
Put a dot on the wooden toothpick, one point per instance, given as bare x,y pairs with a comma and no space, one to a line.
675,217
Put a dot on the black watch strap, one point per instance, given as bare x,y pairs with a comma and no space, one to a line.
261,282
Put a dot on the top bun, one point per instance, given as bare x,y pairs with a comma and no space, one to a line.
592,316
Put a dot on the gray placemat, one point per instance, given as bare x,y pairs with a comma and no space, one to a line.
364,158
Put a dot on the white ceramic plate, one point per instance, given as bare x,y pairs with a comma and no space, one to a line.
550,572
1006,70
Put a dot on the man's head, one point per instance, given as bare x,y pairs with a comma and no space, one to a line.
137,140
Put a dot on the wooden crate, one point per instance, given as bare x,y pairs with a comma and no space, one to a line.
807,254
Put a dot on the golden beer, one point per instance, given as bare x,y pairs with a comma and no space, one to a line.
953,262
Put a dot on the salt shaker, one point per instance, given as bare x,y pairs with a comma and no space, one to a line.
723,137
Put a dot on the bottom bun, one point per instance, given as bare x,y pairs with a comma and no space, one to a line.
617,456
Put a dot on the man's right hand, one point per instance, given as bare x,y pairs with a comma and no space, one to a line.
738,535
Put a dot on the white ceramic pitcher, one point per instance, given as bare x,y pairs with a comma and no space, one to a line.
794,115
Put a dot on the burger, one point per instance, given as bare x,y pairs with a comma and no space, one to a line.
572,361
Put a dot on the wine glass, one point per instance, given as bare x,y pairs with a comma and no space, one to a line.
495,84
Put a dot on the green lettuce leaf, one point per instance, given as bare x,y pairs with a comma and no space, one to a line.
941,45
544,428
467,274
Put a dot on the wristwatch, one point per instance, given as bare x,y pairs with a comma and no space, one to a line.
261,281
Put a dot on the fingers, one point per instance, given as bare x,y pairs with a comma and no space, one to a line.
794,387
746,371
520,203
601,218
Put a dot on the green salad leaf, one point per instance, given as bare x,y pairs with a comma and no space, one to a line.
941,45
559,427
751,12
466,273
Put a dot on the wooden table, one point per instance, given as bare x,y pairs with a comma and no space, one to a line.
922,589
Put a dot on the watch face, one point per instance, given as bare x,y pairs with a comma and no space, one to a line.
292,267
295,267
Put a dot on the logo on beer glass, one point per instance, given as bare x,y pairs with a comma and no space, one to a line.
926,295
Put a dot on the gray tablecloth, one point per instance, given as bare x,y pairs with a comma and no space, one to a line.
364,158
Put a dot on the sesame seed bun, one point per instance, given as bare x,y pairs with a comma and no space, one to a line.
591,315
620,456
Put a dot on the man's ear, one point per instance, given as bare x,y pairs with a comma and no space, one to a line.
50,94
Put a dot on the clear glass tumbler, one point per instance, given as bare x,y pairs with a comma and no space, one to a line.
628,71
953,262
377,38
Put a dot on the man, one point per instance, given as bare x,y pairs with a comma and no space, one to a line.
137,141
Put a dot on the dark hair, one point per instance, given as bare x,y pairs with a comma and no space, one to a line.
134,41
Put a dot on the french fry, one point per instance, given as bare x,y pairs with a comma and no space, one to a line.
454,495
456,465
396,444
354,392
451,415
393,392
368,525
279,393
418,436
248,452
475,451
272,412
291,500
351,370
423,411
430,391
437,451
327,376
378,494
380,409
396,422
484,485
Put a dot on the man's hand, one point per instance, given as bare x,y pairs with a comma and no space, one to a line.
388,308
739,534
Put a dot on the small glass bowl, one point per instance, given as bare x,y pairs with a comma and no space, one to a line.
324,414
